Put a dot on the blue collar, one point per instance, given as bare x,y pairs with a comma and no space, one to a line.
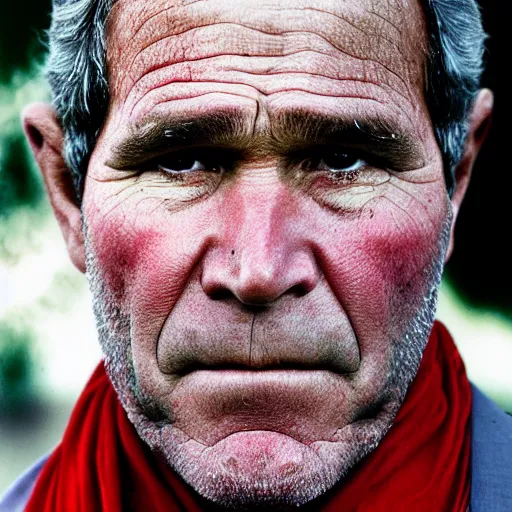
491,439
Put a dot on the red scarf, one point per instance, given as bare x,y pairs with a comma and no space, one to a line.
423,463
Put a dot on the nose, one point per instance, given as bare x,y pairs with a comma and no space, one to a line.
262,251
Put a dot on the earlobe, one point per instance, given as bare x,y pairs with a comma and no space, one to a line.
478,127
45,137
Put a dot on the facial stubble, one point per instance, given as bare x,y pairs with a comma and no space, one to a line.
221,483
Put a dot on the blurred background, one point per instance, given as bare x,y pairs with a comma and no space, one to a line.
48,345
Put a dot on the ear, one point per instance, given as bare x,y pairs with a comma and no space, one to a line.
45,137
479,123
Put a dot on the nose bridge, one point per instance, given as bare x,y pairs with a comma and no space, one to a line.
260,231
263,253
261,241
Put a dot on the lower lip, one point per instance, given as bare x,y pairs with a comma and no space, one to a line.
304,404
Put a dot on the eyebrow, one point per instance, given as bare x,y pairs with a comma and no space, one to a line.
159,134
373,133
287,131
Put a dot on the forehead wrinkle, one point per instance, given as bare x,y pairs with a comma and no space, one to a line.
269,53
185,20
357,21
167,77
386,20
189,95
354,25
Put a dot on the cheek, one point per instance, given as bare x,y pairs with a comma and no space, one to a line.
145,259
381,270
119,252
400,254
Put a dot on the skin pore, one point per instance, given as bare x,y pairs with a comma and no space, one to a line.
265,221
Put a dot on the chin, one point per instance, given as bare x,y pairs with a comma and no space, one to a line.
262,469
253,469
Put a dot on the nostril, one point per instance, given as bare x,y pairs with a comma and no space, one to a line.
253,303
221,294
257,277
299,290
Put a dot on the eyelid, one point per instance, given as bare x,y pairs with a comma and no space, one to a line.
373,158
360,163
220,157
322,152
193,168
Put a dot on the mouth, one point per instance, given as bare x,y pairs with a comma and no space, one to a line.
304,402
260,368
284,355
280,339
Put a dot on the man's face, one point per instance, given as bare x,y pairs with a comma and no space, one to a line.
266,225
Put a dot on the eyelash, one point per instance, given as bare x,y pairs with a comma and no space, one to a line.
219,161
212,162
325,160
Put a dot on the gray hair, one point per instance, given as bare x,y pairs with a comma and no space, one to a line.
76,71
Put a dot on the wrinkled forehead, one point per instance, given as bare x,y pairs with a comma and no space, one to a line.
380,42
362,20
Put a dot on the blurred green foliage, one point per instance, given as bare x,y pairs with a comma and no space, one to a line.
16,367
22,26
22,32
20,184
22,49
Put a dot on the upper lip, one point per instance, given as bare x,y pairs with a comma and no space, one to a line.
279,341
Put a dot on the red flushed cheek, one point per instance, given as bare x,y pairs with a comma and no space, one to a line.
404,260
408,254
381,267
120,252
145,261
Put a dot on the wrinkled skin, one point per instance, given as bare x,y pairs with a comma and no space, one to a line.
224,276
263,310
